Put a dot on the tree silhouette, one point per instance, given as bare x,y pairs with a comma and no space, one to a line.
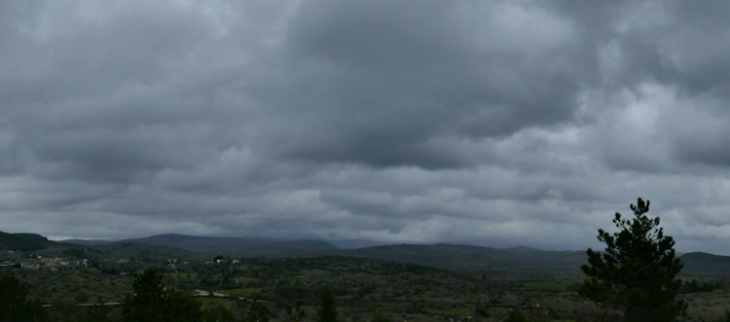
257,312
328,309
378,316
98,313
516,315
146,304
13,303
219,314
636,273
151,302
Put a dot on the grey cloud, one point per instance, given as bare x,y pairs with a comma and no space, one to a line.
377,81
499,122
91,50
103,91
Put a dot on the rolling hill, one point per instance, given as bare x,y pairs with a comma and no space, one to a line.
704,264
518,261
487,260
25,242
240,247
124,250
88,242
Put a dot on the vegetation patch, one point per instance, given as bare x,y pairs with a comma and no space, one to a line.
546,286
241,291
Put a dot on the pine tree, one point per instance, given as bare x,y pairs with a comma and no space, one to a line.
219,314
13,303
328,309
636,273
147,302
257,312
181,307
378,316
98,313
516,315
151,302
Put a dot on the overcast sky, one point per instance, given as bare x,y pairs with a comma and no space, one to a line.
497,123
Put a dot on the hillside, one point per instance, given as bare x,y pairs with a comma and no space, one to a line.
126,250
704,264
467,258
25,242
518,261
87,242
240,247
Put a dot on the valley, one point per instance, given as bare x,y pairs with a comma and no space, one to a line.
439,282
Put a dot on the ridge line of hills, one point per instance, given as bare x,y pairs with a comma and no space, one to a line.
462,258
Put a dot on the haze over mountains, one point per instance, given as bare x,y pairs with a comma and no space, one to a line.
445,256
466,258
240,247
524,261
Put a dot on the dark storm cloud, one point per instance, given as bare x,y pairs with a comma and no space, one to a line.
378,82
647,49
507,122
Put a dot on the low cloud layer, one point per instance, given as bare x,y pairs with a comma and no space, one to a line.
496,123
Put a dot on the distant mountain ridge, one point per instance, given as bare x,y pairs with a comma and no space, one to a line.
704,264
517,261
523,261
88,242
125,250
240,247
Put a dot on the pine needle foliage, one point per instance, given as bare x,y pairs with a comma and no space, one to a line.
328,310
635,275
